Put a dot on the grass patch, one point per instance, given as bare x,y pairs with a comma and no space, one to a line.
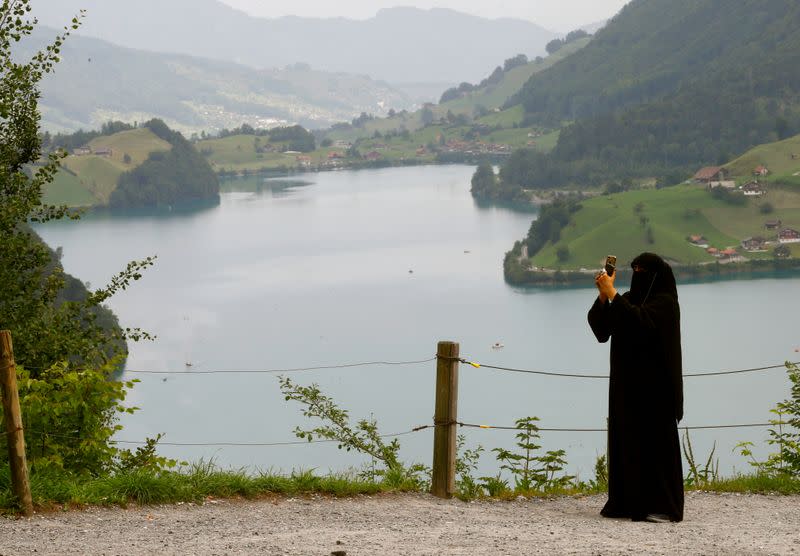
98,174
756,484
136,143
67,189
614,224
203,480
619,224
775,156
193,483
505,118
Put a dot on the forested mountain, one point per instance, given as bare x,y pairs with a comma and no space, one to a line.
667,83
397,45
97,81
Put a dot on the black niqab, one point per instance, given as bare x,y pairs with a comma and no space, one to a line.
645,392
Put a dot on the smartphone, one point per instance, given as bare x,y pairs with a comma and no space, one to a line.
611,265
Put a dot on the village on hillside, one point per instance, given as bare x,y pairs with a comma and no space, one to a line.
776,234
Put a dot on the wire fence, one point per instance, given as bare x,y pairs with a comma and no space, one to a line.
190,371
563,374
464,361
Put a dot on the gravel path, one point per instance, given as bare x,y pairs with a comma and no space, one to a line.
410,524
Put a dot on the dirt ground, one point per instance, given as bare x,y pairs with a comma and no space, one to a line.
410,524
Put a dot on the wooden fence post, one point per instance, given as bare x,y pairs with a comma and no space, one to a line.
443,476
13,425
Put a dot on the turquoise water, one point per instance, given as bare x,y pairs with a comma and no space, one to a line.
374,265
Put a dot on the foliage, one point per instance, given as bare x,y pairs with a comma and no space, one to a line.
165,178
730,197
600,481
699,477
80,138
758,483
486,187
557,44
530,471
197,483
466,463
65,343
69,417
547,228
784,433
516,61
57,325
782,252
493,79
297,138
145,458
363,438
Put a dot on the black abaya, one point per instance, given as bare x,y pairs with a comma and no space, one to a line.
645,394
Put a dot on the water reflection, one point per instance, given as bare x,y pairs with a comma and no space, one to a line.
261,185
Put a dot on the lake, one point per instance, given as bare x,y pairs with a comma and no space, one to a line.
379,265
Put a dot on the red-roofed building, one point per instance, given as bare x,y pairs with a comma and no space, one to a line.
760,171
373,155
710,173
699,241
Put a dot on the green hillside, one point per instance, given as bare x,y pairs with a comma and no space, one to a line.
67,189
468,127
627,224
122,167
89,179
666,85
496,95
167,177
237,153
489,99
781,158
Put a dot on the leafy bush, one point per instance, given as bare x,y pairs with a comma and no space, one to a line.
785,434
531,471
363,437
466,463
69,417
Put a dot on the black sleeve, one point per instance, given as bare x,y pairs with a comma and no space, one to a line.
599,320
650,316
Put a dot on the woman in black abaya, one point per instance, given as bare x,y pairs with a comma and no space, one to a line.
645,401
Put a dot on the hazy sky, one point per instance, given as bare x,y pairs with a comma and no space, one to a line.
557,15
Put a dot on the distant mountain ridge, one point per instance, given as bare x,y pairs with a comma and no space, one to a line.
97,81
397,45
